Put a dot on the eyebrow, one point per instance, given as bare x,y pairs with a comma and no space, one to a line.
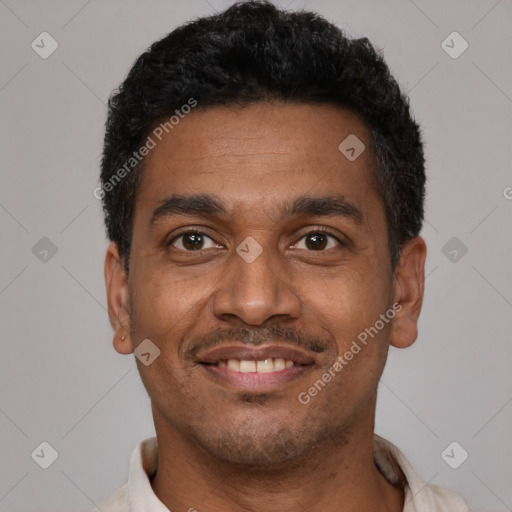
204,205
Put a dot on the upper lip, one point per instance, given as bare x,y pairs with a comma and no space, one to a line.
252,353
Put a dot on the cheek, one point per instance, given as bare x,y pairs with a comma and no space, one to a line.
164,312
165,305
349,302
348,307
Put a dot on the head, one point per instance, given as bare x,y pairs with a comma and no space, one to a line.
290,152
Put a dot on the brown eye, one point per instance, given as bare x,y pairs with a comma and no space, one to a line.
318,241
191,241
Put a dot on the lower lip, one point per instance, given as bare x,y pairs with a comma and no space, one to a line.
254,381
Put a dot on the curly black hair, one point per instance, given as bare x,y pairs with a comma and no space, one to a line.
254,52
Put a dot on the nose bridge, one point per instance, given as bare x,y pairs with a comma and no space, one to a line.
254,272
256,267
254,288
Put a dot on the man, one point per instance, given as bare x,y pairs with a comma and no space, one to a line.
263,185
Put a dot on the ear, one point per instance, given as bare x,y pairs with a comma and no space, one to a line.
408,288
118,297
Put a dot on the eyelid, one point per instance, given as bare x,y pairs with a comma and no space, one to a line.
188,231
325,231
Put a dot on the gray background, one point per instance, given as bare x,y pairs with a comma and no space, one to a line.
60,379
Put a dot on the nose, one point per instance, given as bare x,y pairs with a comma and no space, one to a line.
256,293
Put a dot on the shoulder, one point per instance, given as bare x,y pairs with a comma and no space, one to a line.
116,502
419,495
438,499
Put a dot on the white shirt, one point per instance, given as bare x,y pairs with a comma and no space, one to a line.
137,495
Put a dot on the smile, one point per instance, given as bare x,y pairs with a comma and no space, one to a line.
269,365
260,369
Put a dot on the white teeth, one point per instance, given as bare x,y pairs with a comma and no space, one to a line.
279,364
247,366
234,364
265,366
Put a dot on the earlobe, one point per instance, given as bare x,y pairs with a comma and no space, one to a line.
116,283
408,292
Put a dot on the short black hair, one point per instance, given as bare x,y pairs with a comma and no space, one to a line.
256,52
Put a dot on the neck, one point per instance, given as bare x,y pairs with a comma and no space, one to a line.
336,475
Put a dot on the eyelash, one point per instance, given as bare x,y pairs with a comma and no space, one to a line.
315,231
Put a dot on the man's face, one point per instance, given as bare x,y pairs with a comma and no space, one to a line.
305,298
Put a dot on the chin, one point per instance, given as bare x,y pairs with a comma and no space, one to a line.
255,451
263,445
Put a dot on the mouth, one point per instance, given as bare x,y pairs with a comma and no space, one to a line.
261,369
269,365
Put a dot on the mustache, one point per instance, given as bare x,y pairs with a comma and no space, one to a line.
258,336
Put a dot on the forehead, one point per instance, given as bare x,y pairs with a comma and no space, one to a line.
264,152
